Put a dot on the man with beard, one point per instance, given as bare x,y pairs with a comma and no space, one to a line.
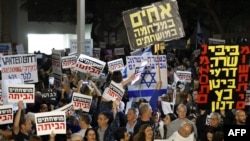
240,117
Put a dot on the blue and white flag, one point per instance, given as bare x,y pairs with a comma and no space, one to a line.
200,35
146,88
147,51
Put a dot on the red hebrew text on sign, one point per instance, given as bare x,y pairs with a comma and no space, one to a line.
50,126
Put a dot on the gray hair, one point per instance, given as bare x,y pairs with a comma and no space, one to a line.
216,114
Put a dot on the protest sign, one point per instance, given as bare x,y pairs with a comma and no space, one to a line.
136,52
223,76
184,76
6,114
119,51
48,93
138,72
20,66
82,101
57,67
47,122
68,61
114,92
87,64
5,85
154,23
25,92
149,78
68,109
116,65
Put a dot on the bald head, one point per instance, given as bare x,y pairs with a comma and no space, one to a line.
185,129
76,137
240,117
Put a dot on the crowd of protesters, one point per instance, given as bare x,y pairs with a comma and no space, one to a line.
108,121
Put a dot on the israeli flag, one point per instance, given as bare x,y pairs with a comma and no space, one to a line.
147,51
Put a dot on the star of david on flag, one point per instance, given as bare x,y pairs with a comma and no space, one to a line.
146,74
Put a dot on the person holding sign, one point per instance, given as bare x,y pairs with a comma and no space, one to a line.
66,91
22,126
116,76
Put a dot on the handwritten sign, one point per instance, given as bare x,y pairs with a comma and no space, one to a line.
25,92
81,101
47,122
87,64
20,66
6,114
116,65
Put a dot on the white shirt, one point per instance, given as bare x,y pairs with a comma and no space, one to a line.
177,137
82,131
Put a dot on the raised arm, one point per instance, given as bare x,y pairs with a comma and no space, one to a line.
93,85
16,126
127,81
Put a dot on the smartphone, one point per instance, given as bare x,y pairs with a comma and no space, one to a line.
85,82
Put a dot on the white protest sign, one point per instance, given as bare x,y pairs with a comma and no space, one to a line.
119,51
68,61
138,72
47,122
116,65
6,114
20,49
136,52
73,45
88,47
51,80
81,101
68,109
166,107
97,53
184,76
20,66
57,67
114,92
214,41
25,92
56,61
5,84
87,64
